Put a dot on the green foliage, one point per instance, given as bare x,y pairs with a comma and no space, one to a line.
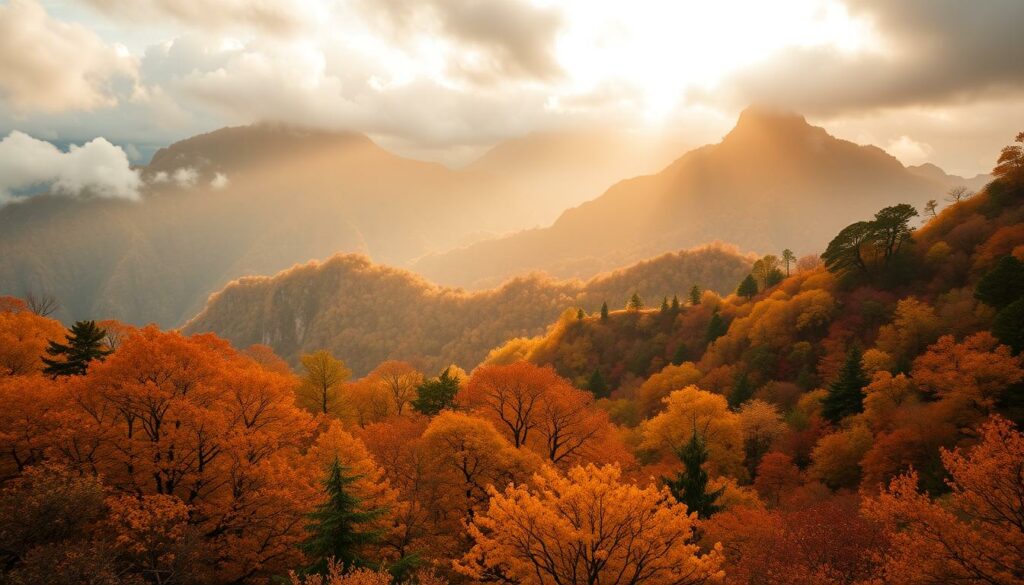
775,276
690,486
597,386
635,303
84,344
695,295
1008,326
860,246
675,303
338,527
1003,284
846,394
717,327
680,354
742,390
436,394
747,288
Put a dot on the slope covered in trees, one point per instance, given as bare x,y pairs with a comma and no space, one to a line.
854,423
366,313
257,200
774,181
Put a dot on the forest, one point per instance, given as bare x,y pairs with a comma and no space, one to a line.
848,418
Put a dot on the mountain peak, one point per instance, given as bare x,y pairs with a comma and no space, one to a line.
768,122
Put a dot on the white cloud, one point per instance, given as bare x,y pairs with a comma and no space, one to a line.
51,66
219,181
909,151
95,168
186,176
275,17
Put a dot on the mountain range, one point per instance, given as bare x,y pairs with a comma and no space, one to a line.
773,182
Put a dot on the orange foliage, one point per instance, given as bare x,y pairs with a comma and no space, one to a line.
587,527
23,338
977,536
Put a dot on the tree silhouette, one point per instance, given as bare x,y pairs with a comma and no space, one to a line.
84,344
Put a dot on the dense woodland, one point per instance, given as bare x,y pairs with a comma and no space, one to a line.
369,313
848,419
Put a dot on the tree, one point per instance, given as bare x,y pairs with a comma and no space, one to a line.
788,258
635,303
1011,160
24,337
580,315
1008,326
1002,284
776,476
399,379
690,486
695,295
742,390
510,395
846,394
675,303
41,304
766,270
588,528
84,344
692,410
320,391
930,207
747,288
974,374
892,229
761,424
976,535
958,194
597,385
664,306
604,311
436,394
717,326
845,253
337,528
679,356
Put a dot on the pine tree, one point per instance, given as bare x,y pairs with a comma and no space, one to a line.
664,306
695,295
742,391
436,394
1008,326
675,304
747,288
690,486
846,394
1003,284
580,315
604,311
337,528
597,386
680,355
717,327
635,303
84,344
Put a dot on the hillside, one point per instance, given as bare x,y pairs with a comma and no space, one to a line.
249,200
366,313
773,182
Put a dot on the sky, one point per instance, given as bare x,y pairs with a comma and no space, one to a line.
938,81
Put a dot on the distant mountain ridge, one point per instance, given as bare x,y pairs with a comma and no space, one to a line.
773,182
366,313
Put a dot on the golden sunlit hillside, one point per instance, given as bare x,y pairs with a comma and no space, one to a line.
516,292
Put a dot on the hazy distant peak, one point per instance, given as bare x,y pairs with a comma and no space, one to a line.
757,121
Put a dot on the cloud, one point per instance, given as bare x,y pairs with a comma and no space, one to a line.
909,151
219,181
51,66
928,52
186,177
95,168
274,17
492,40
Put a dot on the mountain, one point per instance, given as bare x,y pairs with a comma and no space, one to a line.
553,171
366,313
237,201
773,182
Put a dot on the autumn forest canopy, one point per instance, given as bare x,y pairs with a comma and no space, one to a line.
511,293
